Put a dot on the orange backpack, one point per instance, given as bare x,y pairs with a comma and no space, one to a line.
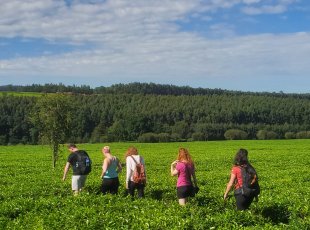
139,172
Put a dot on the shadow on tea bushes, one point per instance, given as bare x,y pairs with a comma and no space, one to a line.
277,213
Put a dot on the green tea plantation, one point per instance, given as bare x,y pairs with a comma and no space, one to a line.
33,195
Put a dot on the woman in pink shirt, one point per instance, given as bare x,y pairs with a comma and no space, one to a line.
184,168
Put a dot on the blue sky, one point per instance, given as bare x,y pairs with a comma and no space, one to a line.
248,45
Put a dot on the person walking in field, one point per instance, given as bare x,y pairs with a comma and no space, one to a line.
184,168
135,172
81,165
245,181
111,167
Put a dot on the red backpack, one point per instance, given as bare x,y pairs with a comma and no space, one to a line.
139,172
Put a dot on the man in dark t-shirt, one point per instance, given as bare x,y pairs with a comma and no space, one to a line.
78,178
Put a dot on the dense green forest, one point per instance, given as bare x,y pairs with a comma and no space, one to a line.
138,88
160,113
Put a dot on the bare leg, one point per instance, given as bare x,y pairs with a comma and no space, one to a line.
182,201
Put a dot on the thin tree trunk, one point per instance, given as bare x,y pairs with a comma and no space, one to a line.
55,154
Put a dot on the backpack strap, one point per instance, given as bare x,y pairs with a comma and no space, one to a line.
135,160
140,161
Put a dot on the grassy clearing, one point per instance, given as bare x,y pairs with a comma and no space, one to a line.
33,196
21,94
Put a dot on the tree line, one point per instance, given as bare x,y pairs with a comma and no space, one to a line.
147,117
139,88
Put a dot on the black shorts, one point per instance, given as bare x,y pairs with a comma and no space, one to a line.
110,185
184,191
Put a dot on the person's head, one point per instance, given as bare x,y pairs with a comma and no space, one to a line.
106,150
184,155
241,157
131,151
72,147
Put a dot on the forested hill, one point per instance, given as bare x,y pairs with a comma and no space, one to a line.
139,115
139,88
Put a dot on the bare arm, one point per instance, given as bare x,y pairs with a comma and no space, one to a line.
128,171
105,166
173,170
229,185
66,169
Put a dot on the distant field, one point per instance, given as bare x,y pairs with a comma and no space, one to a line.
33,196
30,94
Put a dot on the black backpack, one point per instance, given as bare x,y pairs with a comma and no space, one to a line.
83,163
250,185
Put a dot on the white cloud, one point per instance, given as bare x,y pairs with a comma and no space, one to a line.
141,41
191,57
110,20
90,22
266,9
222,30
251,1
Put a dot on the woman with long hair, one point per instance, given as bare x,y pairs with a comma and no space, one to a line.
132,160
184,168
111,167
240,167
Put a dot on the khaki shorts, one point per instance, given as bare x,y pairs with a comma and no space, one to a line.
78,182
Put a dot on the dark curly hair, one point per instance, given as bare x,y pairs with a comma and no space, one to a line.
241,157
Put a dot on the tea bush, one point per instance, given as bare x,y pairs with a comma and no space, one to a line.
33,196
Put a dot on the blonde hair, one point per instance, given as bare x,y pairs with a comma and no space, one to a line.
131,151
185,156
106,149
